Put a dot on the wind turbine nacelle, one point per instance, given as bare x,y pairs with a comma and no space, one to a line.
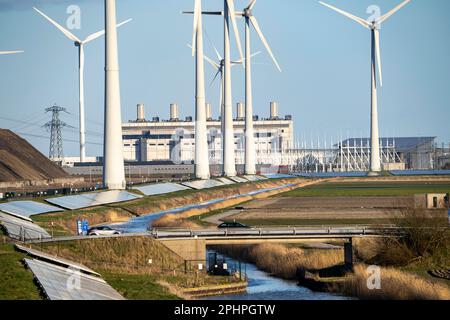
77,44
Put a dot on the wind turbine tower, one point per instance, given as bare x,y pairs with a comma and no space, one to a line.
374,27
250,161
201,138
113,166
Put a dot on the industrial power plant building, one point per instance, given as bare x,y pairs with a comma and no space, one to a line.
173,139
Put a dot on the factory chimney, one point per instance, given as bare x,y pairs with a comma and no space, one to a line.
208,111
273,110
174,112
140,112
240,111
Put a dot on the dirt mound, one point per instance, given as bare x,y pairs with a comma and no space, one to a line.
19,160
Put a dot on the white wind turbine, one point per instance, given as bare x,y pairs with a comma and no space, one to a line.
10,52
202,170
374,27
250,161
80,44
218,66
229,161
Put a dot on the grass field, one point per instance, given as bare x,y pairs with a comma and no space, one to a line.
367,189
16,282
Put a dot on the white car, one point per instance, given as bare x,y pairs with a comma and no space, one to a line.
103,231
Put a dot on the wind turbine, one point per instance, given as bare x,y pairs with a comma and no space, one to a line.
218,66
113,165
80,44
250,161
374,27
10,52
202,170
229,160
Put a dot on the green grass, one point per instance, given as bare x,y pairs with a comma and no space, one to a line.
367,189
16,282
138,287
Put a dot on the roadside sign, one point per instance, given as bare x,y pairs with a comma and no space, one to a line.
79,227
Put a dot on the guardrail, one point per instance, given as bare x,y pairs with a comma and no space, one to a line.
273,232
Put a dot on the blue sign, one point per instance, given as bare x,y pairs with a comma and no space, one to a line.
85,227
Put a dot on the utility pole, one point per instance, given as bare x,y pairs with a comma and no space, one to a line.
55,126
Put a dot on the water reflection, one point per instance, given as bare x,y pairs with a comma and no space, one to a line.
262,286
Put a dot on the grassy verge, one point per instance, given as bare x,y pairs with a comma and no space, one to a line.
16,282
138,287
367,189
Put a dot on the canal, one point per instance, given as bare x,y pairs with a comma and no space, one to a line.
263,286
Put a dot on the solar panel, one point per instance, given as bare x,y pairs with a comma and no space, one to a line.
419,172
61,283
225,181
203,184
278,176
161,188
354,174
238,179
93,199
27,208
21,229
252,178
60,261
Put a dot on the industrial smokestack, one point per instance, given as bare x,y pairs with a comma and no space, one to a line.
113,166
174,113
274,110
208,111
240,111
140,112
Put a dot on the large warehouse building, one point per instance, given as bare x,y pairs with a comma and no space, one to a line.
173,139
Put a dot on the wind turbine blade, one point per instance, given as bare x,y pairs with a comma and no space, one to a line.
251,5
215,77
361,21
378,54
197,13
10,52
96,35
390,13
264,41
66,32
208,59
251,56
230,4
214,47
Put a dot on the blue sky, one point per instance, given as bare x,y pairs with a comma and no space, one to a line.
325,83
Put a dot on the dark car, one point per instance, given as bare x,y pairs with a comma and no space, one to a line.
232,225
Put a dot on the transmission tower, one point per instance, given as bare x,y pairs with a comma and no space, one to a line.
55,127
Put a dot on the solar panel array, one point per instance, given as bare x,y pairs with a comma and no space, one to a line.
93,199
238,179
61,283
27,208
420,172
354,174
277,176
160,188
253,178
21,229
53,259
203,184
225,181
